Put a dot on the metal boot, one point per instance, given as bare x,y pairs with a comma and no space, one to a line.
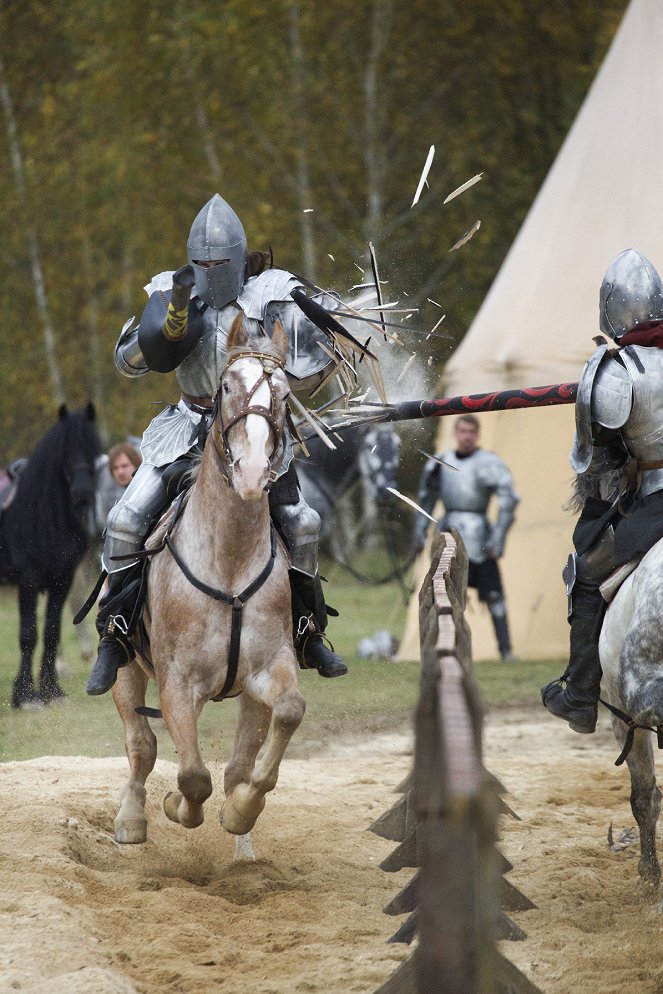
115,649
309,615
575,695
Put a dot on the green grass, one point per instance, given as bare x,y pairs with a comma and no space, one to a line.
515,684
374,695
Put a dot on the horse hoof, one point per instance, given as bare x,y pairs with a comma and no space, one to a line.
239,812
174,806
30,705
131,832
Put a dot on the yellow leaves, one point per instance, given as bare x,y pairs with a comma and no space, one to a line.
48,106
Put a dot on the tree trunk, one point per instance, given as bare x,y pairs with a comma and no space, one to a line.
301,150
38,284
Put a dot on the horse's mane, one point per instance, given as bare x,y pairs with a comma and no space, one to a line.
263,346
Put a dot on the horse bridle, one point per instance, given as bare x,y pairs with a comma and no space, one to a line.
269,366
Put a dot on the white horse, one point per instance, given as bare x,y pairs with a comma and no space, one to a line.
631,651
218,611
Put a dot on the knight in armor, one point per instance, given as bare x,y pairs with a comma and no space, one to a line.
465,484
184,327
618,458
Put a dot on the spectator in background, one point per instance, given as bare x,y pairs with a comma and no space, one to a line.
465,479
113,475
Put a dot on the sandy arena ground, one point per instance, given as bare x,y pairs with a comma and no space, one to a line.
80,914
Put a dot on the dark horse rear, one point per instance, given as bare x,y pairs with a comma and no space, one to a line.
43,537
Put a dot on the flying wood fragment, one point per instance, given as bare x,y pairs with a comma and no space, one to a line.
441,461
412,503
434,302
466,237
424,174
406,367
435,326
463,187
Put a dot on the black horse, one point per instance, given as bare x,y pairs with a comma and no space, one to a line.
43,537
368,456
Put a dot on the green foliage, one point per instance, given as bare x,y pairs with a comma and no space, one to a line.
129,116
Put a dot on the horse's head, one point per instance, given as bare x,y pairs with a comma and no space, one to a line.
80,451
250,410
379,461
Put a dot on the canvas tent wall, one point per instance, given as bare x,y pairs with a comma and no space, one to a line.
603,194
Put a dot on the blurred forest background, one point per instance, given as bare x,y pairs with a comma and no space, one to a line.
119,120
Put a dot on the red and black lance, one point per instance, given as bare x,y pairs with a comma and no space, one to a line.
473,403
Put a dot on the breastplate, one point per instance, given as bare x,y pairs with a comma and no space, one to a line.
463,490
198,375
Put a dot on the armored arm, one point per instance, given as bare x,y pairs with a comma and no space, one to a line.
170,325
507,501
427,495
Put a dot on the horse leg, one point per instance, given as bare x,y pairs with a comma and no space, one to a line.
250,734
140,745
24,694
277,690
49,688
645,800
193,778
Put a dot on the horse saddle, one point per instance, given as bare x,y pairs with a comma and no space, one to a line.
9,478
610,586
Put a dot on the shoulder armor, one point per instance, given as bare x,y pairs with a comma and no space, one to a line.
581,455
612,395
258,291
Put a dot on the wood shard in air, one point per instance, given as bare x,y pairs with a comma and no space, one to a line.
466,237
463,187
406,367
424,174
412,503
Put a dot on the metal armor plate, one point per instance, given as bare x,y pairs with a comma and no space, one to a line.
612,395
581,454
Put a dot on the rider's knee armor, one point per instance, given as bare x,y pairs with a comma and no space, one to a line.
130,519
300,527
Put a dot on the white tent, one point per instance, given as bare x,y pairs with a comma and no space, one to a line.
604,193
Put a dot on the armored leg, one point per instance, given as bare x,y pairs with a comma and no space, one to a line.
299,525
574,696
128,524
497,608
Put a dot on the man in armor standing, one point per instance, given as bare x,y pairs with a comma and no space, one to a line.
184,327
465,479
619,427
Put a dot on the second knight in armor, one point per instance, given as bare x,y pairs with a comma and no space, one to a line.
465,485
618,459
184,328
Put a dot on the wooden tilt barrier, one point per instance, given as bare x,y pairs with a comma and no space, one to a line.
446,820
